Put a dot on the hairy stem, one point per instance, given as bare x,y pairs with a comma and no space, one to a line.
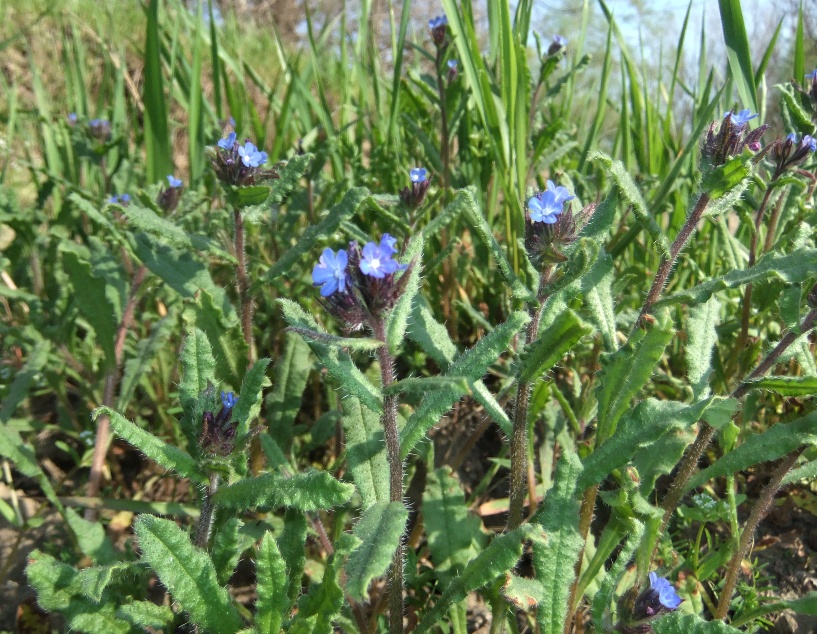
689,463
243,283
103,431
668,260
205,523
389,421
759,511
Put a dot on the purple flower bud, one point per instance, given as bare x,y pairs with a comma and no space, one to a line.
437,27
330,272
557,44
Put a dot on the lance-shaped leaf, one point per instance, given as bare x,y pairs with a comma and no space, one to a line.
702,337
599,308
187,573
291,544
523,593
678,623
379,530
366,451
629,192
471,365
145,219
626,371
644,425
798,266
803,605
307,491
475,217
719,180
146,614
454,534
249,400
272,604
198,366
168,456
138,366
604,597
227,548
345,209
499,557
289,376
551,345
421,386
91,538
339,364
59,588
773,443
364,344
289,178
398,317
786,385
554,558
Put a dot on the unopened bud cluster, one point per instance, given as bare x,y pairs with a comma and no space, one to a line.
792,152
218,430
413,195
732,136
239,165
549,227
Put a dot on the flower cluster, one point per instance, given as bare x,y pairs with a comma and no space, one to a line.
237,164
99,129
660,598
120,199
218,431
413,196
549,227
557,45
437,26
732,137
792,152
359,286
168,198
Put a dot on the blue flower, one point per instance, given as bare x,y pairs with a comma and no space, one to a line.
452,64
418,175
810,142
666,592
72,118
113,199
435,23
812,75
549,204
792,136
741,118
330,272
124,198
228,143
377,260
559,41
173,181
228,400
251,156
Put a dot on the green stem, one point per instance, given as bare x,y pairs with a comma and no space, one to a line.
205,524
243,283
389,421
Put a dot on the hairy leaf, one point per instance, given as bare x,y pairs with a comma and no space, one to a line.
702,337
272,604
551,345
678,623
399,316
366,452
307,491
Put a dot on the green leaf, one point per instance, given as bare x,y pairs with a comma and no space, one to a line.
247,196
187,573
224,334
146,614
145,219
804,605
702,337
318,610
168,456
344,210
272,585
551,345
799,266
366,451
290,374
599,309
291,544
625,372
157,135
227,548
431,335
771,444
91,538
644,425
807,472
363,344
737,52
474,215
523,593
604,597
95,579
632,196
555,557
289,178
198,367
471,365
454,534
678,623
786,385
723,178
424,385
379,530
138,366
17,392
309,490
399,316
339,364
500,556
249,401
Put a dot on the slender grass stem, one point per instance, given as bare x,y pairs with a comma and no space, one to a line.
759,511
389,421
103,431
